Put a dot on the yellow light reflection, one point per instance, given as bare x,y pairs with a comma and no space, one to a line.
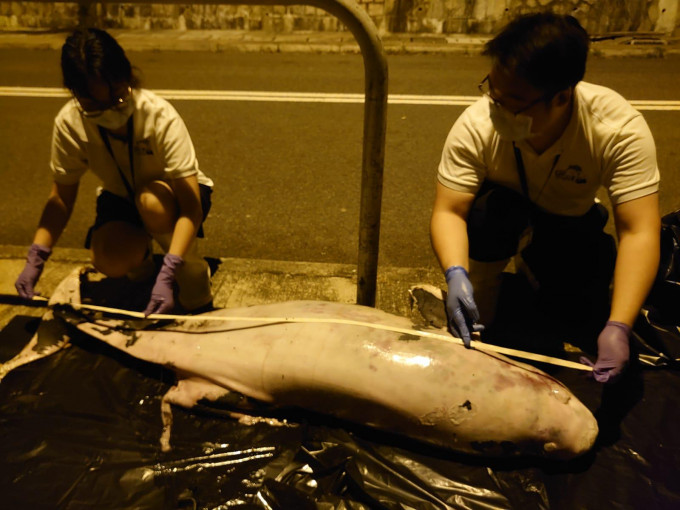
422,361
403,359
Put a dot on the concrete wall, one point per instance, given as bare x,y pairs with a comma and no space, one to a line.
487,16
410,16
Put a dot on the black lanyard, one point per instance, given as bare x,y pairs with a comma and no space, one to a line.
130,138
520,170
523,174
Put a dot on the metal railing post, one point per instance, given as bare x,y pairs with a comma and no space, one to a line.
375,122
375,119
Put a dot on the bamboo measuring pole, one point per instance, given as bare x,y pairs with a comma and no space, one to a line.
489,348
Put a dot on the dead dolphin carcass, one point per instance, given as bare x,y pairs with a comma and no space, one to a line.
424,388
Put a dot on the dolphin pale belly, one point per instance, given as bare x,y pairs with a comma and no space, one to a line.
423,388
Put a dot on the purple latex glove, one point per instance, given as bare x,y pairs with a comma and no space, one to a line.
460,304
613,351
162,298
35,262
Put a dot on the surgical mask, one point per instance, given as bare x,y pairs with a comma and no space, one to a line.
509,126
114,118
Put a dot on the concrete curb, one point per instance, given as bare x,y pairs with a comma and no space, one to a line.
236,282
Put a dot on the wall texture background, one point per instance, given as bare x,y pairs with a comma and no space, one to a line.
390,16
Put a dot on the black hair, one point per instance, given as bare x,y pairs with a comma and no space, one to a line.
93,53
546,49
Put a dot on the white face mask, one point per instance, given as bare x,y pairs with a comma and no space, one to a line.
509,126
114,118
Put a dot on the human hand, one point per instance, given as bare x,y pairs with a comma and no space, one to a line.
613,352
35,262
162,297
460,304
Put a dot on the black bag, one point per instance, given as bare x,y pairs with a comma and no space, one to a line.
657,329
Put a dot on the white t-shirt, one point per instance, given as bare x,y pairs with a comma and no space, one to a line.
162,147
606,143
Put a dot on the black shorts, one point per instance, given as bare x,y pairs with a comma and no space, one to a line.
111,207
499,216
571,257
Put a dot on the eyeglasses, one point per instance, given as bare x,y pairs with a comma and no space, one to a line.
118,104
485,88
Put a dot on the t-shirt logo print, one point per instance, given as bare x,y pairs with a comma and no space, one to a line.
572,173
143,147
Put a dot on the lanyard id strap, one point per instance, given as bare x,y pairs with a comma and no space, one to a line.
523,175
520,170
130,139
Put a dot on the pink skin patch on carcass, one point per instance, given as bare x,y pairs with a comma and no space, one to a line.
547,383
503,382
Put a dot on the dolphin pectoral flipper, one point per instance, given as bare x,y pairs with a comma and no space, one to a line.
429,303
186,393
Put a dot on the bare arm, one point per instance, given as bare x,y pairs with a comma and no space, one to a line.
190,214
56,214
448,226
638,226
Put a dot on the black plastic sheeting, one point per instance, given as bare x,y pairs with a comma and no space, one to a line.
658,328
80,430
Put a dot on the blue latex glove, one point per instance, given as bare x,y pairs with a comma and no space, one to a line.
35,262
613,351
460,304
162,297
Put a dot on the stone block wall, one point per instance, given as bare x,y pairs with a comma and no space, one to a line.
211,17
487,16
396,16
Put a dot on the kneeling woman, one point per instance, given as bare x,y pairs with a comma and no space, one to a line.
151,186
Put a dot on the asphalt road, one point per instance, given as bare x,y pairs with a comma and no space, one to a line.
287,173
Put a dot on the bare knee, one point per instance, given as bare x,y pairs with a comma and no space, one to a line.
117,248
157,206
110,266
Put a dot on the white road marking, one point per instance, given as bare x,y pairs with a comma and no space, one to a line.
308,97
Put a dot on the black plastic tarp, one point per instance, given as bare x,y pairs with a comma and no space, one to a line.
80,430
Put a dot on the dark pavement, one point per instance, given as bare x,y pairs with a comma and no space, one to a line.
242,281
